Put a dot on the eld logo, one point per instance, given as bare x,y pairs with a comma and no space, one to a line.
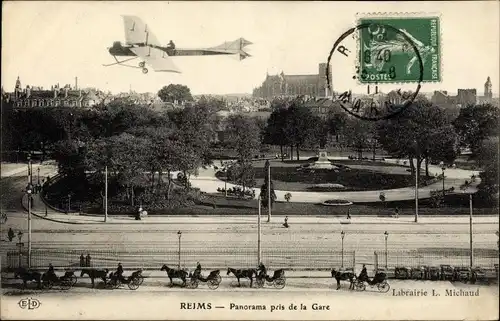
29,303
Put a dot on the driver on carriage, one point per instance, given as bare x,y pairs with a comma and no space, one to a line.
119,273
363,276
51,272
262,270
197,271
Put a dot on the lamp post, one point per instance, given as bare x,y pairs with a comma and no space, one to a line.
29,191
443,168
465,189
417,170
386,253
38,171
69,203
259,200
20,245
179,233
342,235
29,168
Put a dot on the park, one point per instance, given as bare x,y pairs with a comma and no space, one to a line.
347,188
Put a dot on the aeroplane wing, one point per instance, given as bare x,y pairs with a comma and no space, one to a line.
156,58
137,32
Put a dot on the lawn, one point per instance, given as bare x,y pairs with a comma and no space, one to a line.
355,179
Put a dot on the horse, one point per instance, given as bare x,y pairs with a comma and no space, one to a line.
95,274
343,276
175,274
28,275
238,273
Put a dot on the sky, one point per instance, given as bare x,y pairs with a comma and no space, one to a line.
45,43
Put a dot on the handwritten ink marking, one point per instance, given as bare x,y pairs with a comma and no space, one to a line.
29,303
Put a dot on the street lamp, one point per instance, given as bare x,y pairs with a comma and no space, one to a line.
259,200
342,235
29,191
179,233
386,253
29,168
38,170
465,189
20,245
443,168
417,171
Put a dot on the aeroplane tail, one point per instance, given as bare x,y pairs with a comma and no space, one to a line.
237,44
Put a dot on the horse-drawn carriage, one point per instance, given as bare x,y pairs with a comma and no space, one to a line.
133,281
213,279
67,281
379,281
278,279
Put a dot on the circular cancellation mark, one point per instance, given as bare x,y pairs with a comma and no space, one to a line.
379,55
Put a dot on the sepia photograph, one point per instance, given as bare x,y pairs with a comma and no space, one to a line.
250,160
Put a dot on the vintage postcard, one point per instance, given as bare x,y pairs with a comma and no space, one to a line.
198,160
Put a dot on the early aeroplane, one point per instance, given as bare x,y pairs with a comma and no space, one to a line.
141,43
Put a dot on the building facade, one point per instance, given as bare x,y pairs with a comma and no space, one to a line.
37,97
293,85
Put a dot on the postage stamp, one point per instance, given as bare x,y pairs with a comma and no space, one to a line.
213,161
385,55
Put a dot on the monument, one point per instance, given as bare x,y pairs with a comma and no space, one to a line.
323,162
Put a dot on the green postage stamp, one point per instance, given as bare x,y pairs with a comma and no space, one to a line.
388,49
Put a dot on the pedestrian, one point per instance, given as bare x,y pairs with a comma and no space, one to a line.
286,222
348,214
396,212
87,260
82,260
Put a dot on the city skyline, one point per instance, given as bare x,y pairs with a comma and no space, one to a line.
75,43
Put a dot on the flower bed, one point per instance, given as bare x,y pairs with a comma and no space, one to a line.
336,203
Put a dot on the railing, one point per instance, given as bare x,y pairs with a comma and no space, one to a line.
211,258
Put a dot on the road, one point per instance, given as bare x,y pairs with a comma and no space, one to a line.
233,303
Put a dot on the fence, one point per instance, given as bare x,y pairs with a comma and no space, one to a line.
211,258
484,258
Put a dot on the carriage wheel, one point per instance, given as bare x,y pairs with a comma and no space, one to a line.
360,286
134,284
144,70
142,64
213,284
47,284
383,287
280,283
259,283
218,279
73,280
65,284
194,283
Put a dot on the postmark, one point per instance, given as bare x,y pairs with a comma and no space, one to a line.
386,56
375,106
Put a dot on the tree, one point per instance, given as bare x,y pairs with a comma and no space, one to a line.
360,135
487,157
336,122
475,123
275,130
175,93
243,135
415,132
300,126
264,189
